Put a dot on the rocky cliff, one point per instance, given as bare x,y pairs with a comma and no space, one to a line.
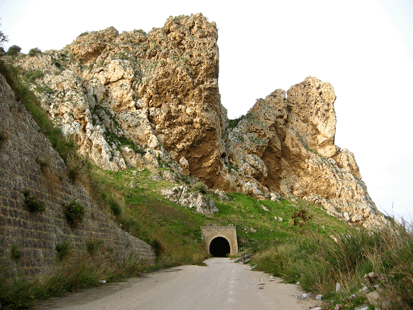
152,99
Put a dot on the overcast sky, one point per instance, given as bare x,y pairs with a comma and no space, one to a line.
363,48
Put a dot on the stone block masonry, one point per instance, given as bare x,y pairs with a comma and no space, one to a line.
29,162
209,233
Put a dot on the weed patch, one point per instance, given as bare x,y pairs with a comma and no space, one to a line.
319,264
63,249
74,213
72,275
32,204
15,252
93,246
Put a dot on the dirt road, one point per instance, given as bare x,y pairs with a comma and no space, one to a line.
223,285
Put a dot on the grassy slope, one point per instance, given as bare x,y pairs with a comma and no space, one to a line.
175,230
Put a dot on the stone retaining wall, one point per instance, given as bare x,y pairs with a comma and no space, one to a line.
29,162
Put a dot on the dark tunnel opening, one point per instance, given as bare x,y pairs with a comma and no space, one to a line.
219,247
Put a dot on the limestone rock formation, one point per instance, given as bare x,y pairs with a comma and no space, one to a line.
183,196
152,100
286,144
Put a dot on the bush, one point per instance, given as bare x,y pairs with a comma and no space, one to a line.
14,50
32,75
63,249
32,203
114,207
34,51
232,123
74,213
15,293
15,252
77,168
200,187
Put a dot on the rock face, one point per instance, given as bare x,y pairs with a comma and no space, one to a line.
183,196
286,143
145,99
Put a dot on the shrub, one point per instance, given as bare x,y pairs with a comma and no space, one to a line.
32,203
15,252
200,187
114,207
83,34
63,249
14,50
33,75
232,123
15,293
34,51
77,167
74,213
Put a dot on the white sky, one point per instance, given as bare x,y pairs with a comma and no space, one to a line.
363,48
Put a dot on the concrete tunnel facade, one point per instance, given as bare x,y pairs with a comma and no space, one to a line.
220,240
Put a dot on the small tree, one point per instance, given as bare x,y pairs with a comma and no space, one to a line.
34,52
3,38
301,218
14,50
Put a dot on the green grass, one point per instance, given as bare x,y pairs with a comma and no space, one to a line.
73,274
319,266
168,226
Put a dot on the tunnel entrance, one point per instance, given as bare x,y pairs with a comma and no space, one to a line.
219,247
220,240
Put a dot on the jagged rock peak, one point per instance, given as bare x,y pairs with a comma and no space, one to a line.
285,144
145,99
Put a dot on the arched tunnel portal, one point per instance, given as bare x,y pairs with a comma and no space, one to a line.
220,240
219,247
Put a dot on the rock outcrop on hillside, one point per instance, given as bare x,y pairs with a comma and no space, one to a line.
286,144
152,99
